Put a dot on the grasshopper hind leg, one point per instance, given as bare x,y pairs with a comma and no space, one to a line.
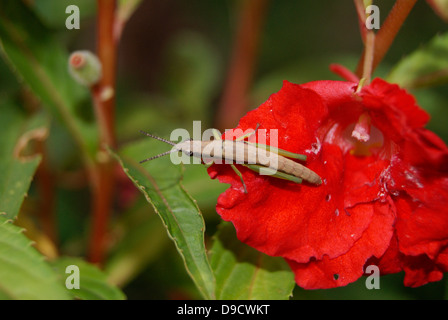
273,173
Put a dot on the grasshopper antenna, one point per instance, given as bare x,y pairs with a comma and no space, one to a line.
157,156
157,138
160,139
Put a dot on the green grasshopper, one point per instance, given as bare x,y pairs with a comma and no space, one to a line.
249,155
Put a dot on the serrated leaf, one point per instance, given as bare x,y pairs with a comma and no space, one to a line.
426,66
159,181
242,273
23,272
16,170
93,283
41,63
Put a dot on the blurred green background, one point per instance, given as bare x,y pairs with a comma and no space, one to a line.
173,61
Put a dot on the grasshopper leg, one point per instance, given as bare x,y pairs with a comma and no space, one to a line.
275,174
247,135
239,175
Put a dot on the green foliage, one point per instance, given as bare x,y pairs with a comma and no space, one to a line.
93,282
23,272
41,62
17,170
178,211
52,13
425,67
243,273
425,72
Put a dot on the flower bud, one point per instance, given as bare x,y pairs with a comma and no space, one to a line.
84,67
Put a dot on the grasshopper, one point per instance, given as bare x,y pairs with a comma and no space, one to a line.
247,154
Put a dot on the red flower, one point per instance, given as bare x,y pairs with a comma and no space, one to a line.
384,199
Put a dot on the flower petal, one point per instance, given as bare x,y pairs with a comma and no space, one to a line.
347,268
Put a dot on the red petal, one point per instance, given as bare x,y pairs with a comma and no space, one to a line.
342,270
392,109
423,148
422,226
390,261
420,270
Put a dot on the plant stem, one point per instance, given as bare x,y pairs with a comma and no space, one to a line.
234,99
368,56
103,95
387,32
361,11
107,54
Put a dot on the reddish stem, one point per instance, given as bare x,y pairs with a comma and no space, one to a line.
361,11
234,100
368,56
107,54
103,94
387,32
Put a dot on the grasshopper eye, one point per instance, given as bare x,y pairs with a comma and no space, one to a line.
191,153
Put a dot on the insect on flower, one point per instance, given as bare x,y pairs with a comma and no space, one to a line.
263,159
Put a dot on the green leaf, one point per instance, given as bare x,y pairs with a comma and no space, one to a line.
242,273
427,66
39,60
16,169
23,272
93,283
159,181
